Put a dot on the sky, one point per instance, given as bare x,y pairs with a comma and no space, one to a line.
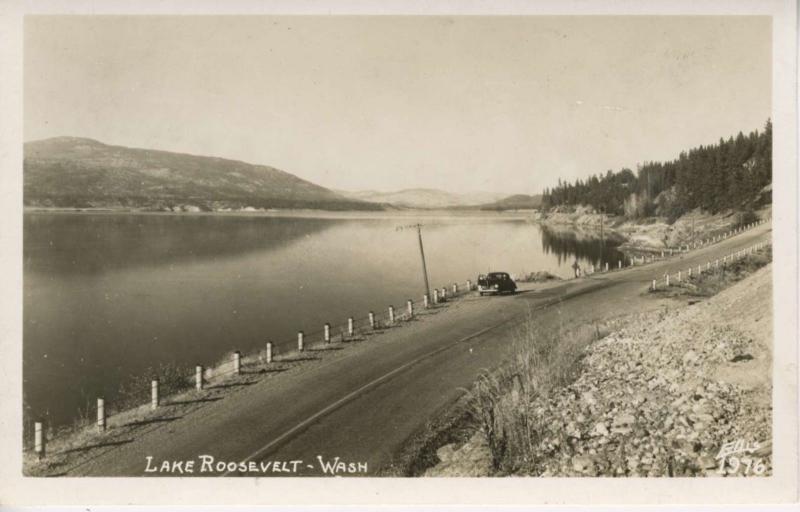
498,104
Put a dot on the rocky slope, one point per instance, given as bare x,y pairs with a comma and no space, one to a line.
667,395
651,234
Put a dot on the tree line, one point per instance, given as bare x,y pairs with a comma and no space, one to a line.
729,175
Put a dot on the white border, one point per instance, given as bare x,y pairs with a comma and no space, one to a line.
781,488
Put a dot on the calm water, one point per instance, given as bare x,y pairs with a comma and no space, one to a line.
109,295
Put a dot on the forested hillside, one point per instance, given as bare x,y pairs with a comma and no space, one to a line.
730,175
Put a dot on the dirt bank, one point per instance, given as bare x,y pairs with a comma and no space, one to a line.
665,394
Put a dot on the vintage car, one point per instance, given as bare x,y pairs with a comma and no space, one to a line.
496,282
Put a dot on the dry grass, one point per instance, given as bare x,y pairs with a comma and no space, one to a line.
500,402
709,283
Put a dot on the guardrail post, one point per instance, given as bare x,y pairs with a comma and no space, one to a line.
301,341
39,440
326,333
101,415
391,314
662,254
351,328
268,349
237,362
371,320
435,296
679,276
154,394
653,285
667,280
444,294
198,378
469,285
606,266
425,300
455,289
619,264
410,308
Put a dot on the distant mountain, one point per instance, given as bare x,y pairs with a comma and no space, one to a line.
423,198
80,173
516,202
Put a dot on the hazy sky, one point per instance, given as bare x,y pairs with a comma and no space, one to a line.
505,104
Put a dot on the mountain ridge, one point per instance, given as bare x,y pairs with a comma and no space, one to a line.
80,172
423,197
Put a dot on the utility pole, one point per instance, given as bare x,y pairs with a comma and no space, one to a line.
421,254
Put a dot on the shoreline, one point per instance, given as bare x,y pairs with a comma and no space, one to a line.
297,213
651,234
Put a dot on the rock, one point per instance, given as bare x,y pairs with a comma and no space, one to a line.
445,453
572,430
624,420
706,462
599,430
704,418
678,402
583,464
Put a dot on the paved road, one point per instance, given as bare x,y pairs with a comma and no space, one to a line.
366,400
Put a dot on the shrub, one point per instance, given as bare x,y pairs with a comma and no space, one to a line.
500,402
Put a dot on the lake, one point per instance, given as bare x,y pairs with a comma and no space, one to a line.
107,296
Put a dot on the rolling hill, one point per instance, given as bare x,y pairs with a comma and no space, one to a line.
76,172
515,202
423,198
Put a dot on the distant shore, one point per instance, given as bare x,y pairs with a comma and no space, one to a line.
307,213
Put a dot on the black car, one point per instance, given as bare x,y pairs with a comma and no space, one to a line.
496,282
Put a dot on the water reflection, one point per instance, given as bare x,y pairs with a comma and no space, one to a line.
568,245
95,243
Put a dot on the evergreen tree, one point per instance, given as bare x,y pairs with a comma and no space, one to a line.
727,176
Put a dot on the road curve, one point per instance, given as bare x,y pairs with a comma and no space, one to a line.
365,401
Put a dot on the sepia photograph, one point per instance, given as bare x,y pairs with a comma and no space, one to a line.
414,247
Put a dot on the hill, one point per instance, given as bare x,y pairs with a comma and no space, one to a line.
73,172
423,198
731,175
516,202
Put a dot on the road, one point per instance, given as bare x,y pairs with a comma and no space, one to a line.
365,401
